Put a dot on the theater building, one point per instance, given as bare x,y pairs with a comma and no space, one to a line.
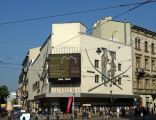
94,71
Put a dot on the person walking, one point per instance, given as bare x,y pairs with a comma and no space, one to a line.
118,112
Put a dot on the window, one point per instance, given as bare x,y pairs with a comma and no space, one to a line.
119,67
96,78
152,47
146,46
146,63
153,84
114,81
119,80
153,65
146,83
147,99
97,63
137,43
138,61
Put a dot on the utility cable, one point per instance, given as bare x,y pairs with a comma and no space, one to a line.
70,13
117,16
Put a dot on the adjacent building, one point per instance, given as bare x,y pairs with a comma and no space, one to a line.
143,43
22,91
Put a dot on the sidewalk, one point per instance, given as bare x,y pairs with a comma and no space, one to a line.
93,118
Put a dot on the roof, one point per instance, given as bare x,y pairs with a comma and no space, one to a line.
144,30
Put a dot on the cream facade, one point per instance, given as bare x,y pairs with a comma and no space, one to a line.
143,55
23,89
97,56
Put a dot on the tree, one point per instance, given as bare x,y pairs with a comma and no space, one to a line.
13,101
4,93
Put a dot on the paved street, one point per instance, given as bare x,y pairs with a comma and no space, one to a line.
3,118
148,117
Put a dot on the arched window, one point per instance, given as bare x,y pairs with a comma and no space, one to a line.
137,43
152,47
146,64
152,64
146,46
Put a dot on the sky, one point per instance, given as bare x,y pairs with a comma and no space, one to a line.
17,38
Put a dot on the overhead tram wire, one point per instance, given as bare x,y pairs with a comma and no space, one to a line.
138,5
71,13
117,16
64,14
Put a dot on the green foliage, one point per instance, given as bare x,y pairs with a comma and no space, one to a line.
4,93
13,101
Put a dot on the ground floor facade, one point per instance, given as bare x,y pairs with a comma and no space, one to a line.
59,101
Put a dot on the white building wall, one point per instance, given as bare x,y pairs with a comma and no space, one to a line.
123,56
36,70
66,38
66,35
112,30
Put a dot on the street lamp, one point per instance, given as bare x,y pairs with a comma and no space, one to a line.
99,50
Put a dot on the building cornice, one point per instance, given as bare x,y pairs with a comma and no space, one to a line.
143,31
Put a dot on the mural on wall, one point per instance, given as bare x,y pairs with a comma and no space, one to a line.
108,63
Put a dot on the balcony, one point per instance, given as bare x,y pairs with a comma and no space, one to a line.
139,87
140,70
25,94
144,91
140,73
25,69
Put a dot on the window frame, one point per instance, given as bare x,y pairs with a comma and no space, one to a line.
96,63
96,78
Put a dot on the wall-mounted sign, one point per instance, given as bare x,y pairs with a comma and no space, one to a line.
64,67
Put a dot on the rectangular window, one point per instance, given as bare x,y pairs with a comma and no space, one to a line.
147,99
139,48
136,43
138,61
146,83
146,46
119,80
97,63
146,63
153,65
153,84
119,66
96,78
152,48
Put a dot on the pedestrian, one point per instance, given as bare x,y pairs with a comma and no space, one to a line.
152,111
118,112
89,115
123,111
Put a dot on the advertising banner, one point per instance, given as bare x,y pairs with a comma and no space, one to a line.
69,104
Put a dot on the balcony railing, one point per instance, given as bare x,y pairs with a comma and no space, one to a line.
25,94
